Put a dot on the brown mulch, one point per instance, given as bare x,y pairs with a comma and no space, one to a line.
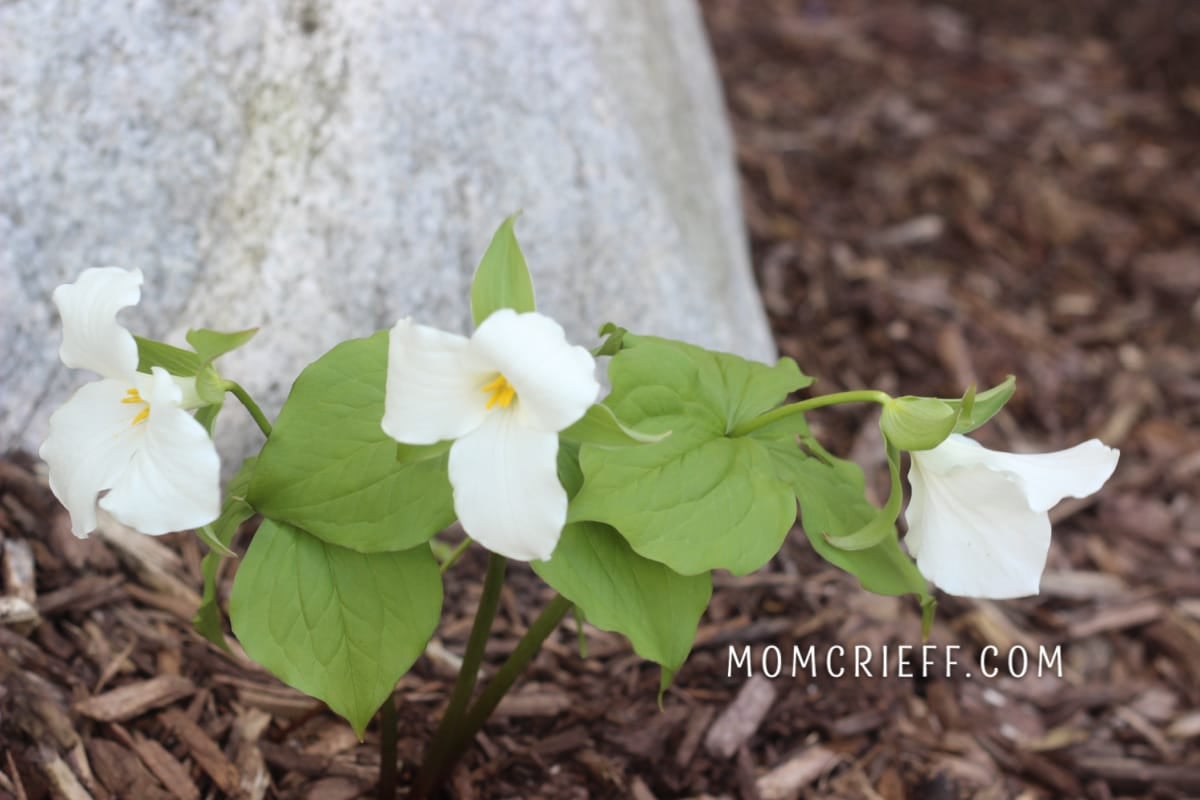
937,194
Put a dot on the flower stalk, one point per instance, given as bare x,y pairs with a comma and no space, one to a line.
438,756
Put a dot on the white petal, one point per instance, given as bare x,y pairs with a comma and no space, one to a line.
434,385
92,440
1049,477
172,483
506,490
92,337
555,381
973,534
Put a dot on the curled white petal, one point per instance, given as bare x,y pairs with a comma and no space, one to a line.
434,385
972,533
1047,478
92,439
978,522
506,489
172,481
92,337
555,381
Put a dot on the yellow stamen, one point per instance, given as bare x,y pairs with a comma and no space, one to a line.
131,397
501,391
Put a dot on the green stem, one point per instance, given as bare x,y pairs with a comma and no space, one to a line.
506,676
453,555
246,400
387,749
858,396
441,746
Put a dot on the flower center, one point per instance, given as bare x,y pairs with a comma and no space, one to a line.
501,391
132,397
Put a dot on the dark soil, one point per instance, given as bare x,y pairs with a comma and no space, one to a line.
937,195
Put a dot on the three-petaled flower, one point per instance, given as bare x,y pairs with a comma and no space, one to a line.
977,522
128,435
502,395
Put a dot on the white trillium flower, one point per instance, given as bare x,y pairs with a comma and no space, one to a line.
502,395
977,522
127,436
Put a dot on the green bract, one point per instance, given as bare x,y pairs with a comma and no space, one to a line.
338,625
329,469
618,590
701,499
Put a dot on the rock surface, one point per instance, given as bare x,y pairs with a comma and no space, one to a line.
321,168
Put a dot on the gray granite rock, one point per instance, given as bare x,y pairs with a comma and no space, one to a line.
322,167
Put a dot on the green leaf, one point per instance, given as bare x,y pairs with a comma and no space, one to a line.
601,428
917,423
700,499
338,625
618,590
210,345
329,469
412,453
218,535
883,523
160,354
833,503
502,279
984,406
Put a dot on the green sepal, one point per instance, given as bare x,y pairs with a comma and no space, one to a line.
209,386
502,279
601,428
211,345
338,625
615,342
207,415
974,409
917,423
413,453
174,360
883,523
832,495
218,535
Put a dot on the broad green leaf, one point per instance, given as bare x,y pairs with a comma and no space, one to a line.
917,423
833,502
338,625
601,428
569,473
984,406
329,469
618,590
210,345
411,453
700,499
502,279
160,354
218,535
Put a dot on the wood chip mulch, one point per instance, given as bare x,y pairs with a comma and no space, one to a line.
937,194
